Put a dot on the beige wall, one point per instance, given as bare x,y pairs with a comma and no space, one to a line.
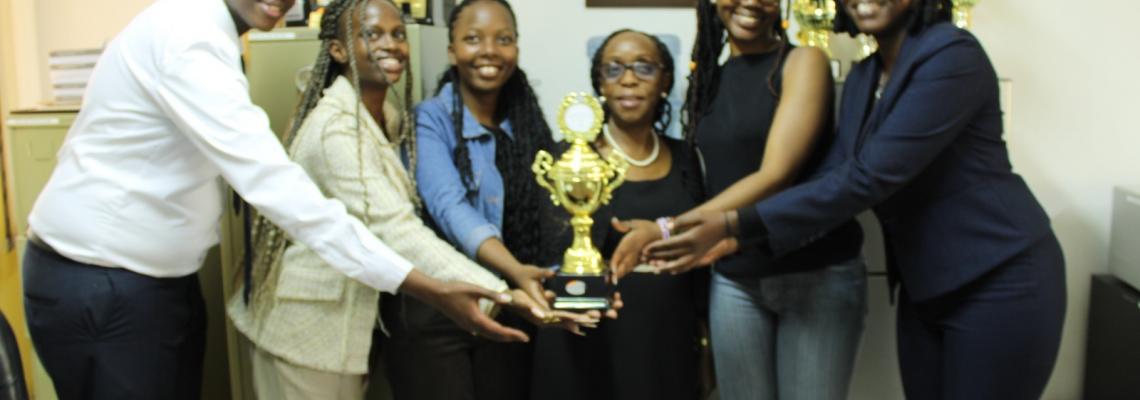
1072,130
23,76
42,26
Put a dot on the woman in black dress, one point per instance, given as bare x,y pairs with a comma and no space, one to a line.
651,351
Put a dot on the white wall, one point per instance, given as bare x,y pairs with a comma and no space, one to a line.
1072,130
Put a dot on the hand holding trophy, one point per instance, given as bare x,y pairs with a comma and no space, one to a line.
580,181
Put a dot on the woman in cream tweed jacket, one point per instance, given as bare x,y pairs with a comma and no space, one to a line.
309,313
311,325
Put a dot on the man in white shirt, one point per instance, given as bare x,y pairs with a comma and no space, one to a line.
122,226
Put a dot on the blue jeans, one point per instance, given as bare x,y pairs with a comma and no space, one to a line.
791,336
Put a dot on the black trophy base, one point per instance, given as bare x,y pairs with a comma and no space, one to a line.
580,292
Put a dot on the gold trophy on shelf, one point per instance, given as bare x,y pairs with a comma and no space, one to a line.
962,13
816,18
580,181
867,46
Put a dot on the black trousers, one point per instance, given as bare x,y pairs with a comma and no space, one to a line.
428,357
108,333
995,338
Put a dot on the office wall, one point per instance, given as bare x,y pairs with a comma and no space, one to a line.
41,26
11,302
1072,130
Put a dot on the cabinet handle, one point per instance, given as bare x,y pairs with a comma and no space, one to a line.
1132,199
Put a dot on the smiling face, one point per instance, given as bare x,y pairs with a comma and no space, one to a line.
484,46
260,14
632,78
878,17
748,22
380,43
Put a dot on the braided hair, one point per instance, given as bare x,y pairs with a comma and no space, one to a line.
522,215
270,241
705,75
923,13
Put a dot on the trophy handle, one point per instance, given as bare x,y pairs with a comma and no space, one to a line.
617,170
543,162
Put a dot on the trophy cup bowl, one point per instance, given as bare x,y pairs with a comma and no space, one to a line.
580,181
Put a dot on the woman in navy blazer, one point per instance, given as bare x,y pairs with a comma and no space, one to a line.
919,141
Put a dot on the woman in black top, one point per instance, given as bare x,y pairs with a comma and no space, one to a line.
787,327
651,351
980,275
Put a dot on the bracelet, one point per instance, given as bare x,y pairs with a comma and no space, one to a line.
727,229
729,232
663,223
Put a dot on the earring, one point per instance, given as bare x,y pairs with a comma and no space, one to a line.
664,95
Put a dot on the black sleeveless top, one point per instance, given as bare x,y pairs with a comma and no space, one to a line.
732,136
650,352
679,191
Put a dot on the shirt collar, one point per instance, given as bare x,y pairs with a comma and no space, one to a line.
471,127
225,21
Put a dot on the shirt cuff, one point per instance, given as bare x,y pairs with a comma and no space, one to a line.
752,229
475,238
387,270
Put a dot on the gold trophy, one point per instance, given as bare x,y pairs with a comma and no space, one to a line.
580,182
962,13
816,18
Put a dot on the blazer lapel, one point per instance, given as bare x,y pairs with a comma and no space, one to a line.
858,92
903,68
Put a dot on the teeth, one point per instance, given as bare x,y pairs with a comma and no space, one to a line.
488,71
866,9
390,64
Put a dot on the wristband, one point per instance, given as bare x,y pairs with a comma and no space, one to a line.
663,223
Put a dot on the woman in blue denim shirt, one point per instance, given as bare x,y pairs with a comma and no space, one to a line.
476,141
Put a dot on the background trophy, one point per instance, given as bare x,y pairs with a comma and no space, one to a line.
815,17
580,182
962,13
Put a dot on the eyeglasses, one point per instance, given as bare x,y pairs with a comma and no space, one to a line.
645,71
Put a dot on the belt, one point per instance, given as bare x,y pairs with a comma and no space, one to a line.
40,244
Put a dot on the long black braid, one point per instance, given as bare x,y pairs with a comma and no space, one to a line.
268,240
522,210
923,13
705,76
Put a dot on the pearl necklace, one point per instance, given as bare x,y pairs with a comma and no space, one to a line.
632,161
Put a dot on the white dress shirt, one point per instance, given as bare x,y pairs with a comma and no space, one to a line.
167,111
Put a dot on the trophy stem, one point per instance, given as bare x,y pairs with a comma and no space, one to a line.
582,258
